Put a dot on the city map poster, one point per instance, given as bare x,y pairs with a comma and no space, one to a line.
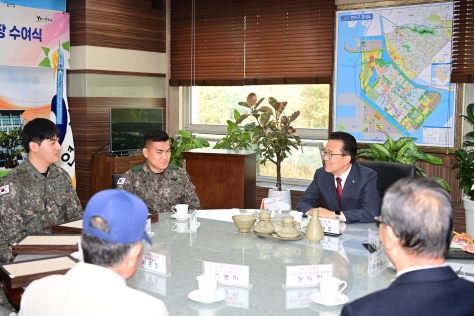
393,74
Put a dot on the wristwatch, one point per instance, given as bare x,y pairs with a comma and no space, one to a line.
337,215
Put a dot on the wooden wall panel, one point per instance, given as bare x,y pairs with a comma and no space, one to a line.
90,124
125,24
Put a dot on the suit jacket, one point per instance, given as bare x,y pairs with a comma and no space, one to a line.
90,290
436,291
360,200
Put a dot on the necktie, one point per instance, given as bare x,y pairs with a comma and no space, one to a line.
339,190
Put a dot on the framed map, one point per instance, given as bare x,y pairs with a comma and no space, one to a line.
393,74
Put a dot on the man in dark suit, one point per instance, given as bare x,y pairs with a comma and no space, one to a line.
348,190
415,226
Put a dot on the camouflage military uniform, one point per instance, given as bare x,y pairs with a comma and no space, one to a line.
160,191
31,203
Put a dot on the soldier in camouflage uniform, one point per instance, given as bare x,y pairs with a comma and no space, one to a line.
157,183
37,193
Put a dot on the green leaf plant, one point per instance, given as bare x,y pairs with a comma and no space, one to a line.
464,157
402,150
270,134
185,141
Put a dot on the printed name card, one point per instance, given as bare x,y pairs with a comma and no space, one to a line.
154,262
374,240
228,274
274,204
236,297
307,276
194,222
148,227
377,261
330,226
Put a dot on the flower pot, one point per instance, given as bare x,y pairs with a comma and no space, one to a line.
284,193
468,206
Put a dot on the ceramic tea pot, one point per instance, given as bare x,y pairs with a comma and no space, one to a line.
287,228
264,226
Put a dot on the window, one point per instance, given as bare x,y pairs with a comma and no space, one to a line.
209,107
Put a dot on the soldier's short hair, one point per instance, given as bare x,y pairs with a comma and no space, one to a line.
100,252
37,131
155,135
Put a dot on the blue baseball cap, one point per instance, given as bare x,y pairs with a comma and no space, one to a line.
125,213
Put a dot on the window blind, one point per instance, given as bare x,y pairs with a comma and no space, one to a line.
462,45
251,42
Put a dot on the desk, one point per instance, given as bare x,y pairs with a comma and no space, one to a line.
218,240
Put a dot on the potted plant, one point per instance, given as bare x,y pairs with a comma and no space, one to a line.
464,162
185,141
10,142
237,137
271,133
403,151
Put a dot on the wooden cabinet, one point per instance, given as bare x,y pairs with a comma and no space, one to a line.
223,178
104,166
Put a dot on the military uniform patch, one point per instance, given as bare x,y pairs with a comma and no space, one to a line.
121,181
5,189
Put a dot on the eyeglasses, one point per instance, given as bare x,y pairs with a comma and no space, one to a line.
378,220
329,155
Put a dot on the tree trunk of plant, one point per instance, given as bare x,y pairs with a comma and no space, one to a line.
279,176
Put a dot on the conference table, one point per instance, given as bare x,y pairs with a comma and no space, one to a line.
268,264
217,240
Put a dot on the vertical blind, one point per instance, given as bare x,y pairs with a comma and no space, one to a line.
251,42
462,46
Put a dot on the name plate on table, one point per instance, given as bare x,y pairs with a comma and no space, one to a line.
307,276
228,274
330,226
19,274
154,262
332,243
377,261
374,240
46,244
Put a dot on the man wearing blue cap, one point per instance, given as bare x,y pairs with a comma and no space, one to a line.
113,228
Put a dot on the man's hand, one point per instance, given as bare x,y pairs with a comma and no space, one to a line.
324,213
468,248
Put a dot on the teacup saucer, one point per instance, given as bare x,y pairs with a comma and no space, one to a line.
342,299
195,296
184,218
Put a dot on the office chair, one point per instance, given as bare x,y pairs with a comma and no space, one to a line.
389,172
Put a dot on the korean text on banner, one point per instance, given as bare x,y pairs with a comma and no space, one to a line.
29,36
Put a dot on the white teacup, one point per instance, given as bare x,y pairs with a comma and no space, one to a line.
181,227
297,216
330,288
181,210
207,284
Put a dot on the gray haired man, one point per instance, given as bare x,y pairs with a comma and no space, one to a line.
416,225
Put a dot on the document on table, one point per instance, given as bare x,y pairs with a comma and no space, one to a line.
458,245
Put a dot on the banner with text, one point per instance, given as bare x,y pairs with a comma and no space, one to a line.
29,37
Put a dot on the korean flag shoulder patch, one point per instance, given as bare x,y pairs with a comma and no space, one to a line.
5,189
121,181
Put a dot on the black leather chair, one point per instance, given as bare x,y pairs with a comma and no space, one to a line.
115,178
389,172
